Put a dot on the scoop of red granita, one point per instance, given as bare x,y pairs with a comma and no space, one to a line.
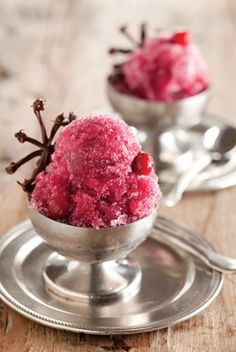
97,176
165,68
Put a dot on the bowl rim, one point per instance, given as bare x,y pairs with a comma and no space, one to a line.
57,223
203,93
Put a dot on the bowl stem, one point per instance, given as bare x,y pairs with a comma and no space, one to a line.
74,280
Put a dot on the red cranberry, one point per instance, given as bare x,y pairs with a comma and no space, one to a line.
181,38
142,164
59,204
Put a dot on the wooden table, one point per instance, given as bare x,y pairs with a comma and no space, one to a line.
58,50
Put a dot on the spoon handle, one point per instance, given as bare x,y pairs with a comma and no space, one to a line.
220,171
188,241
202,160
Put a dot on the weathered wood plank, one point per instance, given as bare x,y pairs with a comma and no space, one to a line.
57,50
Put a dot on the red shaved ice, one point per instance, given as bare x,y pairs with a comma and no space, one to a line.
91,179
168,67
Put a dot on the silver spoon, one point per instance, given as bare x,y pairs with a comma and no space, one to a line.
187,240
217,144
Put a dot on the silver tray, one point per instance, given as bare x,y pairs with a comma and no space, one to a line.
175,286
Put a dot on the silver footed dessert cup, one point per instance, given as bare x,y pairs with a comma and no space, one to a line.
89,263
185,112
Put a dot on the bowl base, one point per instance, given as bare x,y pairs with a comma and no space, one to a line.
74,280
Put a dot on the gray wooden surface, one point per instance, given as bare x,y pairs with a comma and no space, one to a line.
58,50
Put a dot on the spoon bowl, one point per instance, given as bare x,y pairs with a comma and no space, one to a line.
220,142
173,149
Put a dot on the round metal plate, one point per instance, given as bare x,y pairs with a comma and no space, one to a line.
174,287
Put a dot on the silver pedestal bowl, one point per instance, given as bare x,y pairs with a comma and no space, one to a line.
140,112
90,263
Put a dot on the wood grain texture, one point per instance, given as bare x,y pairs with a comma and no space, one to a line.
58,50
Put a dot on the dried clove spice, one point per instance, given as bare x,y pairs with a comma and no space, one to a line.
137,43
45,147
